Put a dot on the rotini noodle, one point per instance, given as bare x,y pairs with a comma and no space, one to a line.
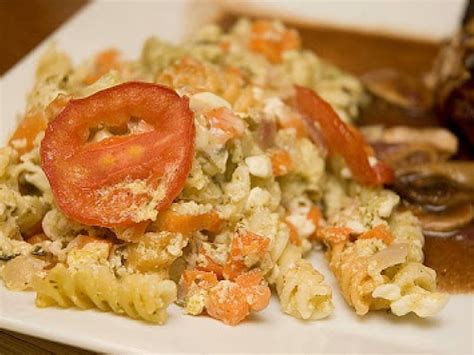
301,289
139,296
374,275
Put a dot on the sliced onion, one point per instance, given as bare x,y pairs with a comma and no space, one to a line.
390,256
19,272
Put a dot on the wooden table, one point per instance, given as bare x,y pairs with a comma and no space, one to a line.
24,24
20,344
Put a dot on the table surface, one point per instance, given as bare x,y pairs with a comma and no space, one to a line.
21,30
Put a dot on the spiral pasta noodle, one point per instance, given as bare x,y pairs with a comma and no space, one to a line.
139,296
373,275
302,291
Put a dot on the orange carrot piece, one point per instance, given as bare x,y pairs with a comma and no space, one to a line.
233,268
225,46
334,235
257,292
244,244
294,237
381,232
37,238
282,163
315,216
227,302
271,43
132,233
229,125
32,124
186,224
203,279
104,62
290,40
297,124
82,240
210,265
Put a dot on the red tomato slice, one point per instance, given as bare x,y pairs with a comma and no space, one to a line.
342,139
107,183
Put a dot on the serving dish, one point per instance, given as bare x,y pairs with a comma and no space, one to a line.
269,332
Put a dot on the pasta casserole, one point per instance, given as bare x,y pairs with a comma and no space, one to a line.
203,175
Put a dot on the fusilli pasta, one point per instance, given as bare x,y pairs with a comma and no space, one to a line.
375,274
301,289
138,296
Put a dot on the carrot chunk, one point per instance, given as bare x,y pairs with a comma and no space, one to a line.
294,236
282,163
270,41
258,293
245,246
381,232
32,124
186,224
37,238
224,124
227,302
104,62
334,235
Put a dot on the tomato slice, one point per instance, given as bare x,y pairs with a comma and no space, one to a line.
342,139
111,182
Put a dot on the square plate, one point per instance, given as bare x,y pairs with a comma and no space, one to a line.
125,25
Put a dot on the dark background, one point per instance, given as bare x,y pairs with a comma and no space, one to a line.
25,23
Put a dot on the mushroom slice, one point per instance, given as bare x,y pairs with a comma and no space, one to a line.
440,139
432,192
446,221
398,89
461,172
401,155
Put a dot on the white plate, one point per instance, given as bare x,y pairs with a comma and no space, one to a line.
125,25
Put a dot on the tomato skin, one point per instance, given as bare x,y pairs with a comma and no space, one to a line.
84,176
342,139
384,172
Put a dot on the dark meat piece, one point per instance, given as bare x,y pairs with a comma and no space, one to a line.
458,109
452,80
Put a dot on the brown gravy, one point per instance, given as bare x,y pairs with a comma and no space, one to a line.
453,260
360,52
